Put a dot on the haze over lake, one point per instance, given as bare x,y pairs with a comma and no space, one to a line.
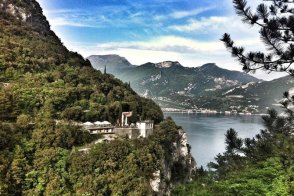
206,133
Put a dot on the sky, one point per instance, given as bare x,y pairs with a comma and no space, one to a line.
187,31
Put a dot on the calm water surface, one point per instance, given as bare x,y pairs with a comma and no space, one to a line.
206,133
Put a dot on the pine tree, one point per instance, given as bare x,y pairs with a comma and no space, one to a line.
276,22
18,170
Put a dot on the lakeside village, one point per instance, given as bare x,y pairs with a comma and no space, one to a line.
233,111
123,130
184,107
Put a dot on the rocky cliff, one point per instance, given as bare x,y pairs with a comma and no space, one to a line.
180,169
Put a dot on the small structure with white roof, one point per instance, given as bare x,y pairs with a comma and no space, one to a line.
140,129
98,127
88,124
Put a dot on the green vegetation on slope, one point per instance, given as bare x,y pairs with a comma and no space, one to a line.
40,159
44,90
39,73
259,166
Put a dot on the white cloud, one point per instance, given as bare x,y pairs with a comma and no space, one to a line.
216,25
188,52
167,43
94,17
203,24
179,14
197,41
59,21
194,12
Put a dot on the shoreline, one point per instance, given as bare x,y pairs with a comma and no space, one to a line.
215,113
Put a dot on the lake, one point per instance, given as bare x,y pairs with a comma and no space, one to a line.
206,132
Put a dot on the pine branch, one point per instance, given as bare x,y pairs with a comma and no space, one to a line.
276,32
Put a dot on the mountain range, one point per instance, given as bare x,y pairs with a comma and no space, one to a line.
174,86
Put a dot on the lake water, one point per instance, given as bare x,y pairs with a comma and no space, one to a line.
206,132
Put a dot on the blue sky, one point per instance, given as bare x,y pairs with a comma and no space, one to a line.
143,31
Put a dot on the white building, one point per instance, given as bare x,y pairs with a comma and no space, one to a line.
145,128
142,128
99,127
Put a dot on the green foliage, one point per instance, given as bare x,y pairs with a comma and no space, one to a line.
122,167
45,90
17,171
259,166
47,162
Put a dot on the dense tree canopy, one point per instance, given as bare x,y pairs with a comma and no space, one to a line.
44,91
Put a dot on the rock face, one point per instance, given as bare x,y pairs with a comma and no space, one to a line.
168,64
28,11
169,176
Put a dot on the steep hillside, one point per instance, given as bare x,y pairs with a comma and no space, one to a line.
45,90
27,43
264,94
213,70
33,59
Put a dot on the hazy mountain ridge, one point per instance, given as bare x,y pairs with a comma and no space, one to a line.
113,63
174,86
266,93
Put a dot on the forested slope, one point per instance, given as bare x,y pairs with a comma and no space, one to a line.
42,83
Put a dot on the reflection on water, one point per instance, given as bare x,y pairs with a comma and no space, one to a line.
206,133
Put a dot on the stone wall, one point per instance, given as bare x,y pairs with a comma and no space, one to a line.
131,133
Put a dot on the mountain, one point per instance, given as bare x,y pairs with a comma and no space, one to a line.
215,71
33,58
264,94
175,79
151,76
113,63
174,86
28,43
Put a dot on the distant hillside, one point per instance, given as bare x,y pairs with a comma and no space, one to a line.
114,63
215,71
173,86
152,76
264,94
177,79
